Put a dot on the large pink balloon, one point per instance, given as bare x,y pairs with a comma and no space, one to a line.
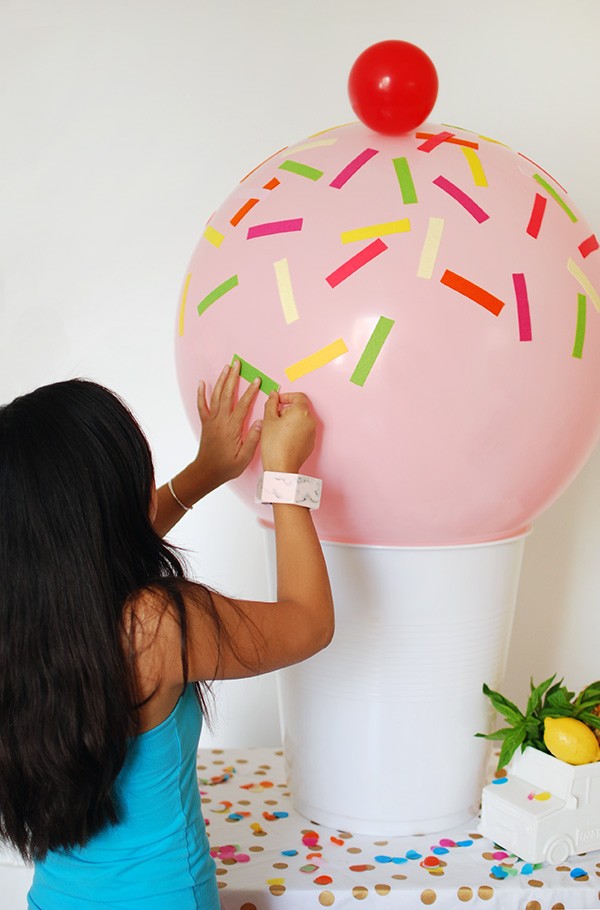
436,295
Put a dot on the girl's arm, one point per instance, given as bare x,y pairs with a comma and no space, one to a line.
223,454
260,636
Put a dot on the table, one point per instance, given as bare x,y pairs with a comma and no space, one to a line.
268,856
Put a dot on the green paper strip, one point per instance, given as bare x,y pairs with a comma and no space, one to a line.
580,331
555,196
249,373
302,169
405,181
372,350
218,292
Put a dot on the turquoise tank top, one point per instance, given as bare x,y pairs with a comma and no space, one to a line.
157,857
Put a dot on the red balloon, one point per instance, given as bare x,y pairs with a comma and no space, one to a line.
392,87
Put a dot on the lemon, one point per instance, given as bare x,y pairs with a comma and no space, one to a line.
570,740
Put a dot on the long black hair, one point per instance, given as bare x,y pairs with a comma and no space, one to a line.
76,544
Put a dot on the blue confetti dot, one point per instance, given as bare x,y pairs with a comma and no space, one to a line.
576,873
527,869
500,780
499,872
412,854
439,851
281,814
289,853
383,859
464,843
399,860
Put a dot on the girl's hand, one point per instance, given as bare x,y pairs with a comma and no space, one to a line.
225,452
289,430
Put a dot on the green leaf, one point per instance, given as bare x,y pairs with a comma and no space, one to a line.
537,694
510,745
497,735
503,706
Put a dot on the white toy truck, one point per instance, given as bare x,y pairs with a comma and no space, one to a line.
544,810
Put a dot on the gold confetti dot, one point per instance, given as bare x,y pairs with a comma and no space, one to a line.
218,763
260,773
399,877
256,849
241,761
381,843
248,906
354,850
437,871
428,896
228,861
558,906
221,884
533,905
277,890
243,802
266,767
465,893
563,868
326,899
488,855
344,835
475,836
221,871
485,892
360,892
270,802
216,752
535,884
280,865
382,890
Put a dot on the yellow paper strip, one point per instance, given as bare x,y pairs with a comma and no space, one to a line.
316,360
479,178
318,143
430,248
580,276
213,236
376,230
286,292
183,301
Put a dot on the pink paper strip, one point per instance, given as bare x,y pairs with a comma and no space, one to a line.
537,213
274,227
523,312
432,143
588,245
467,203
356,262
352,168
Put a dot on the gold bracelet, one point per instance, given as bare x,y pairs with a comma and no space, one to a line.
176,498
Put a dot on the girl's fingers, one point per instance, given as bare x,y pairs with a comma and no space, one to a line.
201,401
230,384
247,399
215,398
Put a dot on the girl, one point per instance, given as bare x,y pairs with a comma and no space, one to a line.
102,638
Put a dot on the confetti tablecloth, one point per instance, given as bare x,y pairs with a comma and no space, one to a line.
269,856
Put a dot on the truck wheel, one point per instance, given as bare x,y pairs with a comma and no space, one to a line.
559,849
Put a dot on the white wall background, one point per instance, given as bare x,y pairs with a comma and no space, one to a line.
125,123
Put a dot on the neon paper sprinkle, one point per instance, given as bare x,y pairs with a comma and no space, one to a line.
478,295
580,276
218,292
303,170
467,203
431,246
313,362
356,262
454,140
405,180
286,292
475,166
376,230
213,236
523,313
580,329
351,168
549,189
274,227
247,206
537,214
184,294
588,245
249,373
434,140
271,184
372,350
540,168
